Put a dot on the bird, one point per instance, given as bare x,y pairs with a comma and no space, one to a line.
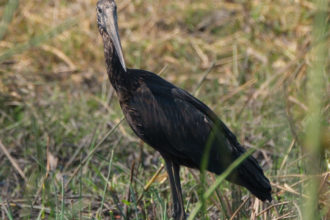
172,121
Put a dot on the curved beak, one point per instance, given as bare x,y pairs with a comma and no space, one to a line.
111,28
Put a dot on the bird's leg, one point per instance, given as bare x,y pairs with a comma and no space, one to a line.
173,173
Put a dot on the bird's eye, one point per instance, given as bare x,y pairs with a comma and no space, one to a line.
99,10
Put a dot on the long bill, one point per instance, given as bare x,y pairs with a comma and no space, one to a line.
112,29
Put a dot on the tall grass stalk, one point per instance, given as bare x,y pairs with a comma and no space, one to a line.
7,16
315,92
7,211
218,181
62,204
106,182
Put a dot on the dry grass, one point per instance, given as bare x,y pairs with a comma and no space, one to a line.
64,152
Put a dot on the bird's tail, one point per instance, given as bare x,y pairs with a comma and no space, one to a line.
250,175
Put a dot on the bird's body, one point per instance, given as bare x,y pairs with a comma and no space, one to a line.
179,126
174,122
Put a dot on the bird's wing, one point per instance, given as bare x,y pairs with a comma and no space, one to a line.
217,124
179,125
224,147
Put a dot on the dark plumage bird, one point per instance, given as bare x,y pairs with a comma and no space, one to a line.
172,121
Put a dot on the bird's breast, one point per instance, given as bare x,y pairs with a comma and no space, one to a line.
146,118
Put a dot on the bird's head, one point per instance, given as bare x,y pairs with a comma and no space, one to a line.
108,27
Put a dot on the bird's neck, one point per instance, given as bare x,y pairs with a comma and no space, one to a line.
115,70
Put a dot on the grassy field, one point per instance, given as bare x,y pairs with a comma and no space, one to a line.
65,152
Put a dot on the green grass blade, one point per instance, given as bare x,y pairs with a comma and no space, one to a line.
219,180
7,211
106,181
7,16
40,214
62,204
315,92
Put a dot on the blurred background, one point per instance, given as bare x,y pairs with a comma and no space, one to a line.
64,152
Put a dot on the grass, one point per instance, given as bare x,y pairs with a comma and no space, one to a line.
65,154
